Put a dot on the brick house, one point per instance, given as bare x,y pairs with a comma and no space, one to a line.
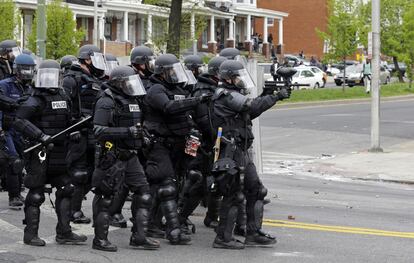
300,27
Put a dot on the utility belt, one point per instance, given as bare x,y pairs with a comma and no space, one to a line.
108,153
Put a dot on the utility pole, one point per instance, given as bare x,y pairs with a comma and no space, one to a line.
375,83
41,29
95,23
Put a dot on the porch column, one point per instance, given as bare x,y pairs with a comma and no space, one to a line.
149,29
266,47
231,40
281,35
193,37
248,42
125,38
212,44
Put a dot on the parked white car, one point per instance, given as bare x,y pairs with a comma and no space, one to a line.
305,75
318,73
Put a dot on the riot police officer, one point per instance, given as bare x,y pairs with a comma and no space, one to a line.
229,53
8,52
194,63
168,123
142,61
199,181
17,88
46,113
235,171
117,127
66,63
83,84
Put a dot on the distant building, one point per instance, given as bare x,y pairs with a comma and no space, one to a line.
305,16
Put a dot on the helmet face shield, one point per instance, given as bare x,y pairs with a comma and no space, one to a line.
14,52
98,61
191,79
25,72
48,78
243,81
110,65
176,74
132,86
150,64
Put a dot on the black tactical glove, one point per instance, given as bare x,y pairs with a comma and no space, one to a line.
75,136
45,139
204,98
283,94
135,131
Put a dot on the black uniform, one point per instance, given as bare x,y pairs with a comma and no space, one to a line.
46,113
199,181
167,120
83,89
118,166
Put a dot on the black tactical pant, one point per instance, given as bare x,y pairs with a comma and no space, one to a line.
81,164
38,175
115,172
198,185
165,163
237,187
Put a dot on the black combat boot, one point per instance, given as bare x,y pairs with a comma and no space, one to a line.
32,215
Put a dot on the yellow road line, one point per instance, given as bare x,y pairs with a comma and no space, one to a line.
339,229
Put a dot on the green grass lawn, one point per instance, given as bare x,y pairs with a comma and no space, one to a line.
397,89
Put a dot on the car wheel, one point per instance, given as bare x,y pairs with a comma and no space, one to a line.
338,83
317,86
350,85
387,81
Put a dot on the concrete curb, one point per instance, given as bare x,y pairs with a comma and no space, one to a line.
344,101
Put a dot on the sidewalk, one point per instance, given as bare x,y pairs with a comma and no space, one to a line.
395,164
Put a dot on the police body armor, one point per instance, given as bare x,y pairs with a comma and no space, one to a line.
203,112
127,113
55,117
176,125
237,125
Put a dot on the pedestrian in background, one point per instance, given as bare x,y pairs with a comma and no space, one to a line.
367,75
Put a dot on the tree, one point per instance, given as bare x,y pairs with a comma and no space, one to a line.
392,13
342,30
9,19
407,54
174,29
62,37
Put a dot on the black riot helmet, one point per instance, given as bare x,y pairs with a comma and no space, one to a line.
48,75
230,53
143,55
67,61
124,79
194,63
170,69
9,49
234,74
92,52
111,62
214,65
24,68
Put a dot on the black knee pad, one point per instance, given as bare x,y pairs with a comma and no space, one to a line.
65,191
144,201
167,192
262,193
35,199
105,202
80,177
17,166
194,176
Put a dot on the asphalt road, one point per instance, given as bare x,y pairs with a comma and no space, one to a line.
315,218
335,129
